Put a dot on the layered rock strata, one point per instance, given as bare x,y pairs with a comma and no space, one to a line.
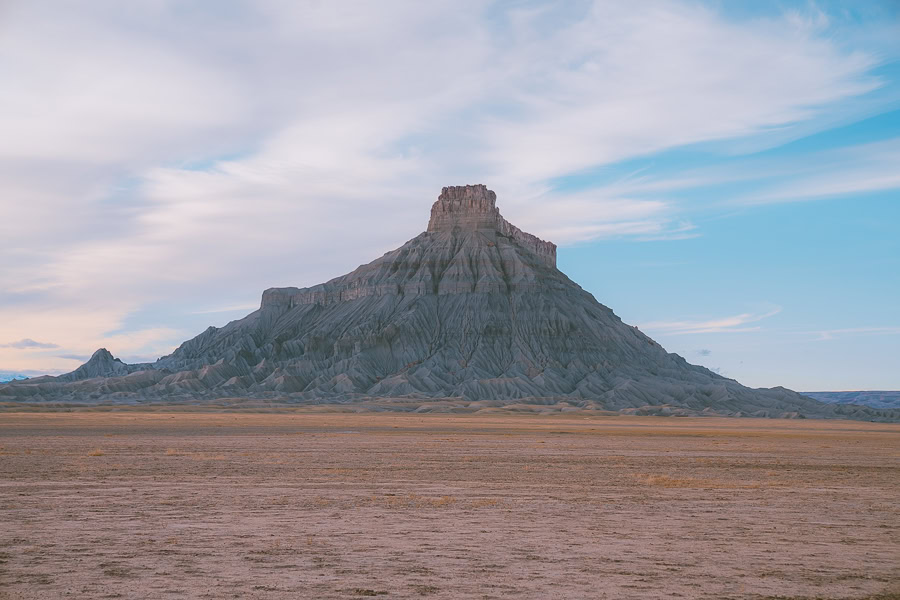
473,208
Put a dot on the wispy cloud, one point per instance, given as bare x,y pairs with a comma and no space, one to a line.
28,344
734,324
222,309
858,169
79,358
847,170
830,334
616,78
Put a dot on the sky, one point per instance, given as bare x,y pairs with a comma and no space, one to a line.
724,175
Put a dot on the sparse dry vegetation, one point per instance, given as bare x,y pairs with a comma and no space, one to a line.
343,505
667,481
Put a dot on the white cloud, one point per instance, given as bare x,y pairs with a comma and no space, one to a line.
90,87
117,204
626,81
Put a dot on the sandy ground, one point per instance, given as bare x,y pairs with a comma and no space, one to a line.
274,506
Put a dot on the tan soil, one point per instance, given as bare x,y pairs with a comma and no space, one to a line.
276,506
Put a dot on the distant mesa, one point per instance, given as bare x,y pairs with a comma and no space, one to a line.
879,399
470,315
7,376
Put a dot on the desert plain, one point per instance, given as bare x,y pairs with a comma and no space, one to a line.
142,504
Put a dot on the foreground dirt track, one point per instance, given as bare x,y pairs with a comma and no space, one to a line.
151,505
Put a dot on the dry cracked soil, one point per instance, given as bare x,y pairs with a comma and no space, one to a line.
134,504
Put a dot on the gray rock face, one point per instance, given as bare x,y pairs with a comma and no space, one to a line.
473,207
473,309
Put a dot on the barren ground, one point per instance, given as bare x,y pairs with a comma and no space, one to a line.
194,505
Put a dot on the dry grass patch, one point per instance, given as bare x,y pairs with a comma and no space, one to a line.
411,501
486,503
206,456
195,455
666,481
416,501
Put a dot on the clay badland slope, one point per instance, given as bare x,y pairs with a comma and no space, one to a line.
473,308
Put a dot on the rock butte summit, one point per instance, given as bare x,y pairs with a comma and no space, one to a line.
474,207
470,315
461,213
